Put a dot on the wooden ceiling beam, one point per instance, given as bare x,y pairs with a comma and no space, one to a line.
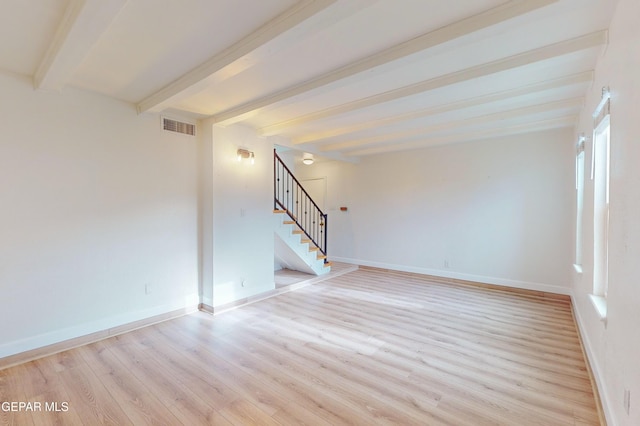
425,41
434,128
82,24
558,83
555,123
196,79
536,55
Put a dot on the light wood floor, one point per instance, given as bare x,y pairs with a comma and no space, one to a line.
367,348
286,278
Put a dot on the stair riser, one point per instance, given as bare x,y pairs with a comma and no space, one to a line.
285,232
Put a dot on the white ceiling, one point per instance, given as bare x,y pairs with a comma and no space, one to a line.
342,79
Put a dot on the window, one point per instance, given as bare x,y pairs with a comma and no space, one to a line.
600,175
600,172
579,202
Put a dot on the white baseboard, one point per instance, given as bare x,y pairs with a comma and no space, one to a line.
55,341
591,359
526,285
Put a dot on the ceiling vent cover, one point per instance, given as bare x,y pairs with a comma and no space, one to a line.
178,126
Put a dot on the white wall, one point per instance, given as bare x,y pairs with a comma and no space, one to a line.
96,201
340,177
614,347
496,211
241,223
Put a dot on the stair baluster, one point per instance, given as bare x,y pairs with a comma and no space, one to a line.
289,195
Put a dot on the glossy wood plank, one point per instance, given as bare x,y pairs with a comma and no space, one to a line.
365,347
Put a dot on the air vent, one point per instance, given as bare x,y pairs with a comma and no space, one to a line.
178,126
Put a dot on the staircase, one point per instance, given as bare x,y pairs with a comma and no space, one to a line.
300,226
294,251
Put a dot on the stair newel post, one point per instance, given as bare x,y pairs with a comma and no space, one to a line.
319,226
325,216
300,203
319,229
289,196
295,201
308,212
314,222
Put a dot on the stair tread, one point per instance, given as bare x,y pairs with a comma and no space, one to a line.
289,222
327,264
297,231
321,256
279,211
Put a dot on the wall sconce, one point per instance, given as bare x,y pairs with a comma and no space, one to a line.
307,158
245,153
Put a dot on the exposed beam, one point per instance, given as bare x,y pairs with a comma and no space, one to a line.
195,79
444,34
536,55
488,118
541,125
583,77
83,23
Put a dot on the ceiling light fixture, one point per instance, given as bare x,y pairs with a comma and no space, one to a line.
307,158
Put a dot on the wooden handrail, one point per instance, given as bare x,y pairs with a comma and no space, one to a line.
290,195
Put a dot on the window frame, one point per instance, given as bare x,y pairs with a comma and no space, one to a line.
601,176
580,190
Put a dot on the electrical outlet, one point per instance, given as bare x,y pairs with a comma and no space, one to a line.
147,288
446,264
627,400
